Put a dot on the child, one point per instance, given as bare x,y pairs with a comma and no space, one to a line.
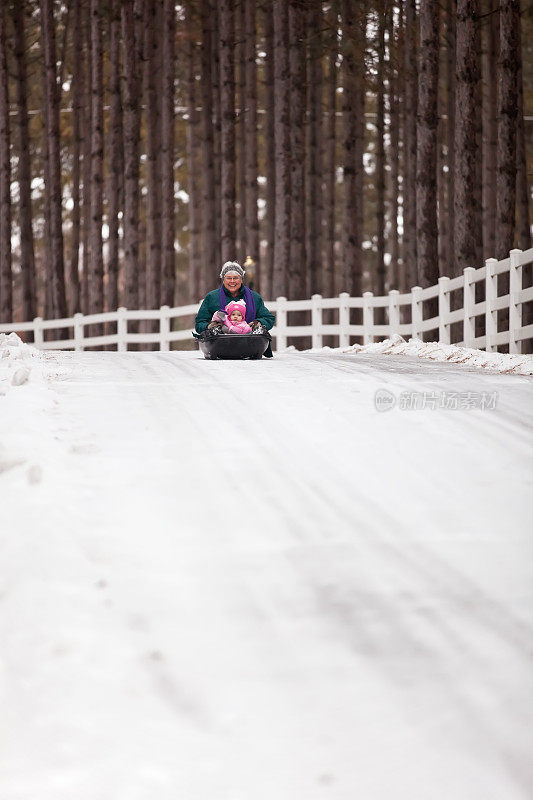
233,321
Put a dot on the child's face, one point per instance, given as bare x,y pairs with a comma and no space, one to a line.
236,316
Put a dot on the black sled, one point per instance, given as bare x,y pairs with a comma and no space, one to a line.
214,344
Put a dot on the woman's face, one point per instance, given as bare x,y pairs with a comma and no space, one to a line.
233,282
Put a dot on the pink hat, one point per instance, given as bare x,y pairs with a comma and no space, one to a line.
236,305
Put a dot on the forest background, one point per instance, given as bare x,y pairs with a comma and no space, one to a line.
342,146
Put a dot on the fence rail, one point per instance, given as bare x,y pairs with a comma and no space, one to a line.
393,308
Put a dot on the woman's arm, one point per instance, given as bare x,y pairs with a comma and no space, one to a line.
203,318
262,313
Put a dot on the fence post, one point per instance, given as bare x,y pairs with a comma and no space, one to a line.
344,320
368,318
394,312
491,295
164,328
316,320
416,313
281,324
515,303
38,337
444,310
469,301
78,331
122,330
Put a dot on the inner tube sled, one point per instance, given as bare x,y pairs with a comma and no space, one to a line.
214,344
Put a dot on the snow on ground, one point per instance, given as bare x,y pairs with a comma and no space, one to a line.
243,581
505,363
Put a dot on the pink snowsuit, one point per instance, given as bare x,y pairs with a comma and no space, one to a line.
236,327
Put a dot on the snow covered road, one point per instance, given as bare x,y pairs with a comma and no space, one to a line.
241,581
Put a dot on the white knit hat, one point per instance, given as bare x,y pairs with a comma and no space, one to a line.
231,266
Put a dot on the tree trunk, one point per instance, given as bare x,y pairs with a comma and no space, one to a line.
467,211
96,261
209,207
85,66
73,283
352,145
427,128
270,152
330,177
507,123
282,140
442,209
379,284
314,189
489,124
54,156
167,156
297,31
410,145
6,278
240,160
195,264
396,53
451,56
153,173
250,132
131,157
27,254
227,140
116,166
217,129
522,190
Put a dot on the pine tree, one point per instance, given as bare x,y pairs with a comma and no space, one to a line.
194,167
167,156
379,283
116,156
489,125
427,128
297,31
57,275
131,155
522,189
467,212
250,133
6,285
508,67
396,36
27,253
315,153
410,146
270,151
330,176
153,148
227,141
96,261
352,145
282,146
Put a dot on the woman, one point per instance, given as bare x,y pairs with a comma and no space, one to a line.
232,288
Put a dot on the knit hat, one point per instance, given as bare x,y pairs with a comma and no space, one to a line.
236,305
231,266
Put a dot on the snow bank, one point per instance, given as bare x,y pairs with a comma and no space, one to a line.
26,401
16,361
436,351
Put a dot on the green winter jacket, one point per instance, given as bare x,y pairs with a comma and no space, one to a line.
210,304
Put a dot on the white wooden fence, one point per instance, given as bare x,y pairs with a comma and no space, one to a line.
343,330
